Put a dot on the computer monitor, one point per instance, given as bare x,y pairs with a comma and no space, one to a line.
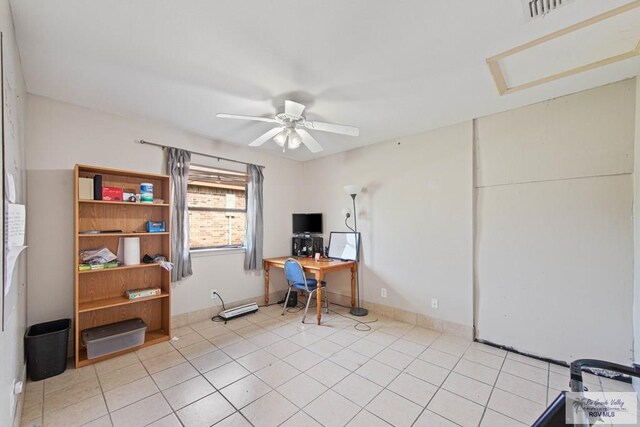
344,245
307,223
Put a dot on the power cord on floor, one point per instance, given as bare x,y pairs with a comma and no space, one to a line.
217,317
362,326
361,323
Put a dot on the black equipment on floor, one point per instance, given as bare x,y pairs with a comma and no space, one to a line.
554,415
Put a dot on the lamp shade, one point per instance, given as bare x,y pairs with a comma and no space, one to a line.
352,189
294,140
281,137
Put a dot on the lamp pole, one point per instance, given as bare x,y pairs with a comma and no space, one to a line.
353,191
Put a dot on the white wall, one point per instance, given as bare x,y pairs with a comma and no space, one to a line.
554,226
60,135
414,215
11,348
553,232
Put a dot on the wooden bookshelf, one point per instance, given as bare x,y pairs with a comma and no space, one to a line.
99,295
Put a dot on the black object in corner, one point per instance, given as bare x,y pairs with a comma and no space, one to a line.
293,300
46,348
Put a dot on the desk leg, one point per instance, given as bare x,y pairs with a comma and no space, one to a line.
319,295
266,283
354,271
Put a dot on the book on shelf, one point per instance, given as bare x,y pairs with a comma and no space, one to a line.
84,267
141,293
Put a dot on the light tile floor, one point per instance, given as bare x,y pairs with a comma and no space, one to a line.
268,370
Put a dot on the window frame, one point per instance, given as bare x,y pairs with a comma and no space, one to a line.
221,248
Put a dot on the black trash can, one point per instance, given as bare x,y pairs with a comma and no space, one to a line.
46,348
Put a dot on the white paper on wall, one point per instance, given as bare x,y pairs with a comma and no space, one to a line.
14,230
16,219
12,259
10,187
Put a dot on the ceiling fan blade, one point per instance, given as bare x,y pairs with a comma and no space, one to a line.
333,128
310,141
293,108
241,117
265,137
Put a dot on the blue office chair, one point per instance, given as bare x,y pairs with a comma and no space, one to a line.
297,281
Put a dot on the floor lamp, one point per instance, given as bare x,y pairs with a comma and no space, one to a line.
353,191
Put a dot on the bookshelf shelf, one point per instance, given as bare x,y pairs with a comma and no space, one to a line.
109,202
139,234
115,302
124,267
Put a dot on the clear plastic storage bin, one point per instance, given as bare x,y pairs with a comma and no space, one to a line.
114,337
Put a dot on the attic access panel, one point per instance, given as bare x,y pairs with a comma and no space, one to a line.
604,39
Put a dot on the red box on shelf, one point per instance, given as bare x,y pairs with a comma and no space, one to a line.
112,194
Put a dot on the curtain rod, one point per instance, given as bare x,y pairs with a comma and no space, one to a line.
142,141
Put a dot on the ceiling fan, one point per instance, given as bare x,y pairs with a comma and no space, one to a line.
292,128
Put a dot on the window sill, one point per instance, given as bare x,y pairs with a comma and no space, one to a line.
215,251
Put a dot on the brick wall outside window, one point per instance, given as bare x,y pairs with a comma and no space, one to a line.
212,228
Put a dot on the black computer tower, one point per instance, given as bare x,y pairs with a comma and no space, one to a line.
306,245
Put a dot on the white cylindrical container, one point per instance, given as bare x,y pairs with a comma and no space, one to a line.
131,250
146,192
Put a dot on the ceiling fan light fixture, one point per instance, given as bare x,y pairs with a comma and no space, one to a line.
281,137
294,140
291,127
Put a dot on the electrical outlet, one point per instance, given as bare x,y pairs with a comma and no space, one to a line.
434,303
213,293
383,292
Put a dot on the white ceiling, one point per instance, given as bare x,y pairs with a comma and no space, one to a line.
391,68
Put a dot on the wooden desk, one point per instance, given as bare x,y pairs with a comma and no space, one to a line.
318,268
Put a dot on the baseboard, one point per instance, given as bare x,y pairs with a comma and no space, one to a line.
418,319
185,319
17,416
422,320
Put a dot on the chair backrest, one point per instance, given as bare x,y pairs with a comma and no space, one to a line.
294,272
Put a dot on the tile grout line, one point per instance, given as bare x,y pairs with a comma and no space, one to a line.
484,411
71,404
440,387
104,398
495,387
328,388
272,389
214,387
355,373
154,382
361,408
547,388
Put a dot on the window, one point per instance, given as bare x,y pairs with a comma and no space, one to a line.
217,207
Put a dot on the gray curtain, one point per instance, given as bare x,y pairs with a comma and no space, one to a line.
178,162
254,234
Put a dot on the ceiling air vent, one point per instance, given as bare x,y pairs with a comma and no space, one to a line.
536,8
